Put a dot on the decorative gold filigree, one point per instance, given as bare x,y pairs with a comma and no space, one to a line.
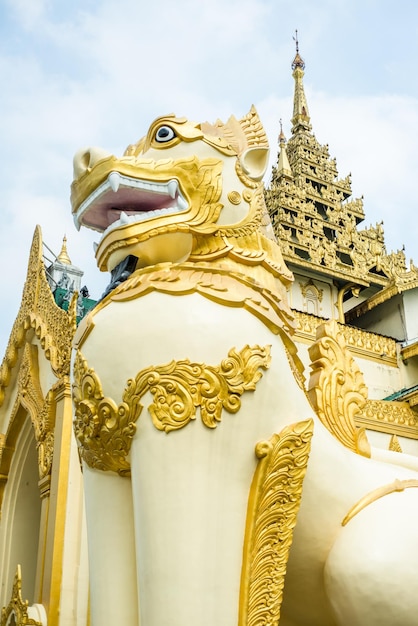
394,444
273,505
317,223
365,344
105,430
336,388
17,607
40,409
310,287
38,313
234,197
214,283
389,417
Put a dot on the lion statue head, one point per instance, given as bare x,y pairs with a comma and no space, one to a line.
185,192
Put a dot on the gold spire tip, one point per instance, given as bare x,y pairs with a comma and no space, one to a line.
63,255
282,138
297,61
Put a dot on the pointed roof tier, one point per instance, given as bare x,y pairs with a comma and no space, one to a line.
315,218
300,120
283,166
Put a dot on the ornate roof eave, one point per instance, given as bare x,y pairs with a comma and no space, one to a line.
396,287
340,274
38,312
409,351
378,298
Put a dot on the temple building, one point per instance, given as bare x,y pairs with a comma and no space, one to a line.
342,272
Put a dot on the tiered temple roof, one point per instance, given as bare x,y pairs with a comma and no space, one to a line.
316,219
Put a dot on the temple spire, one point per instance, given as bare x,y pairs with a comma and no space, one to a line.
283,165
63,255
300,119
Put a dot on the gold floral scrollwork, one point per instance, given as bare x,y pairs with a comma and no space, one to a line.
17,609
41,409
273,505
180,387
105,430
336,388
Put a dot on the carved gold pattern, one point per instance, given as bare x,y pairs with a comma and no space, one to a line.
234,197
273,505
380,492
216,284
336,388
17,607
360,342
211,282
394,444
40,409
105,430
390,417
39,314
310,286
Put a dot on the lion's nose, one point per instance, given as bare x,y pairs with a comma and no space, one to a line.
86,158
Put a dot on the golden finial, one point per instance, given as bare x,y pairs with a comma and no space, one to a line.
63,255
297,61
282,138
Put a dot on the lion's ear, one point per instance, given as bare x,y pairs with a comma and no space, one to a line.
254,162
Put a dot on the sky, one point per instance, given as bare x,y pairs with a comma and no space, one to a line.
89,72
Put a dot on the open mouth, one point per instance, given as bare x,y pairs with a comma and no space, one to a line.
122,200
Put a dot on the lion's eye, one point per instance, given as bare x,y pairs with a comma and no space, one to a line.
164,133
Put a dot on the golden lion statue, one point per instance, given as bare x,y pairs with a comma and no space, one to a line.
230,500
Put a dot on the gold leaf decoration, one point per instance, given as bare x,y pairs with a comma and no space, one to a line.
394,444
17,609
273,505
336,388
53,327
213,283
41,409
105,430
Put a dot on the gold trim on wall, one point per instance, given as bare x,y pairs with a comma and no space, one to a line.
273,505
17,606
38,314
360,342
394,418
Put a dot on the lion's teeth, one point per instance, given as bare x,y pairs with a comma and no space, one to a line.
181,203
172,188
114,181
123,218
